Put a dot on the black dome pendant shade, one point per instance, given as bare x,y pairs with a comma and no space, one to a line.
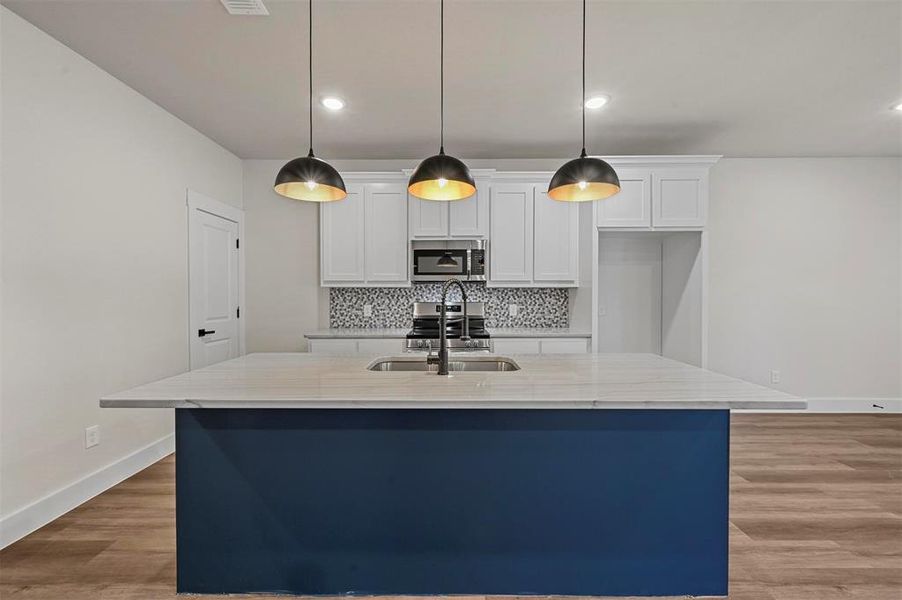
310,178
442,177
584,178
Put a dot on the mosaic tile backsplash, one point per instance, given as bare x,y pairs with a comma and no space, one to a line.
392,307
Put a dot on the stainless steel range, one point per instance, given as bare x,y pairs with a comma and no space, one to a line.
425,332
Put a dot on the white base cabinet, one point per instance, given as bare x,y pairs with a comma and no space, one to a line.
541,345
354,346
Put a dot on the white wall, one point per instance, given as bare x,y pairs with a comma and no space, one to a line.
284,298
805,274
94,266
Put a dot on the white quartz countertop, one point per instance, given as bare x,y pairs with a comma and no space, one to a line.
309,380
497,332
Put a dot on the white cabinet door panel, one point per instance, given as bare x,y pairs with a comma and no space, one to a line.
631,206
342,238
510,256
565,346
515,346
556,241
469,218
386,232
336,347
679,197
380,347
428,218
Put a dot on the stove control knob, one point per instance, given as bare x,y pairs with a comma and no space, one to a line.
420,343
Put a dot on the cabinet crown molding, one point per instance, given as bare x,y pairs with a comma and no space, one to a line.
664,160
474,172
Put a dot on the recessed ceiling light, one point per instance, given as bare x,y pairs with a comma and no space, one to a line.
597,101
898,107
333,103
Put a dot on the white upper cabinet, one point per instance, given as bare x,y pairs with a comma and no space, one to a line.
386,232
680,197
342,238
556,239
631,207
667,193
363,238
468,218
534,240
511,237
428,218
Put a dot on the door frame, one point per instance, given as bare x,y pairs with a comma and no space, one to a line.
196,201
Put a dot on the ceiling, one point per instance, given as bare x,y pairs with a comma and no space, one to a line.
754,78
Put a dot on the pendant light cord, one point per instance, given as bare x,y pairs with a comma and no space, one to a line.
310,58
583,154
442,76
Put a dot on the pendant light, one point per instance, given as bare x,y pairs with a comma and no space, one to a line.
442,177
310,178
584,178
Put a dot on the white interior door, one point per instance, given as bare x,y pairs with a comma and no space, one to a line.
213,288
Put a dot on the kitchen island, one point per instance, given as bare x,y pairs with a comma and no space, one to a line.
577,475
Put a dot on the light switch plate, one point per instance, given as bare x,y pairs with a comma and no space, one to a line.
367,310
775,376
512,310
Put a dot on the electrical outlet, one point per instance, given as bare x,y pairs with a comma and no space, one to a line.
512,310
775,376
92,436
602,311
367,310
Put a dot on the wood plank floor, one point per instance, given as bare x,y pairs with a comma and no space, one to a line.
816,515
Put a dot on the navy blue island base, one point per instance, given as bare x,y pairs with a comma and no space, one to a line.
445,501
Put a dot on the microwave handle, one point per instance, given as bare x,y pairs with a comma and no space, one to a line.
469,263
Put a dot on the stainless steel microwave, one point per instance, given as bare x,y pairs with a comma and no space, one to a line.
440,260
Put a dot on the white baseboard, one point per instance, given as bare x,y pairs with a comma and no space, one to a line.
17,525
844,405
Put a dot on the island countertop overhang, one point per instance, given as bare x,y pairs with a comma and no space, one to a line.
590,381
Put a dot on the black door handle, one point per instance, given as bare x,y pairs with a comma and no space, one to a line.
203,332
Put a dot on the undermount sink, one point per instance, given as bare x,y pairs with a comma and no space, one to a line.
457,363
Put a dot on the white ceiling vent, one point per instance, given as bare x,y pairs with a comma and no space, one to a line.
245,7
